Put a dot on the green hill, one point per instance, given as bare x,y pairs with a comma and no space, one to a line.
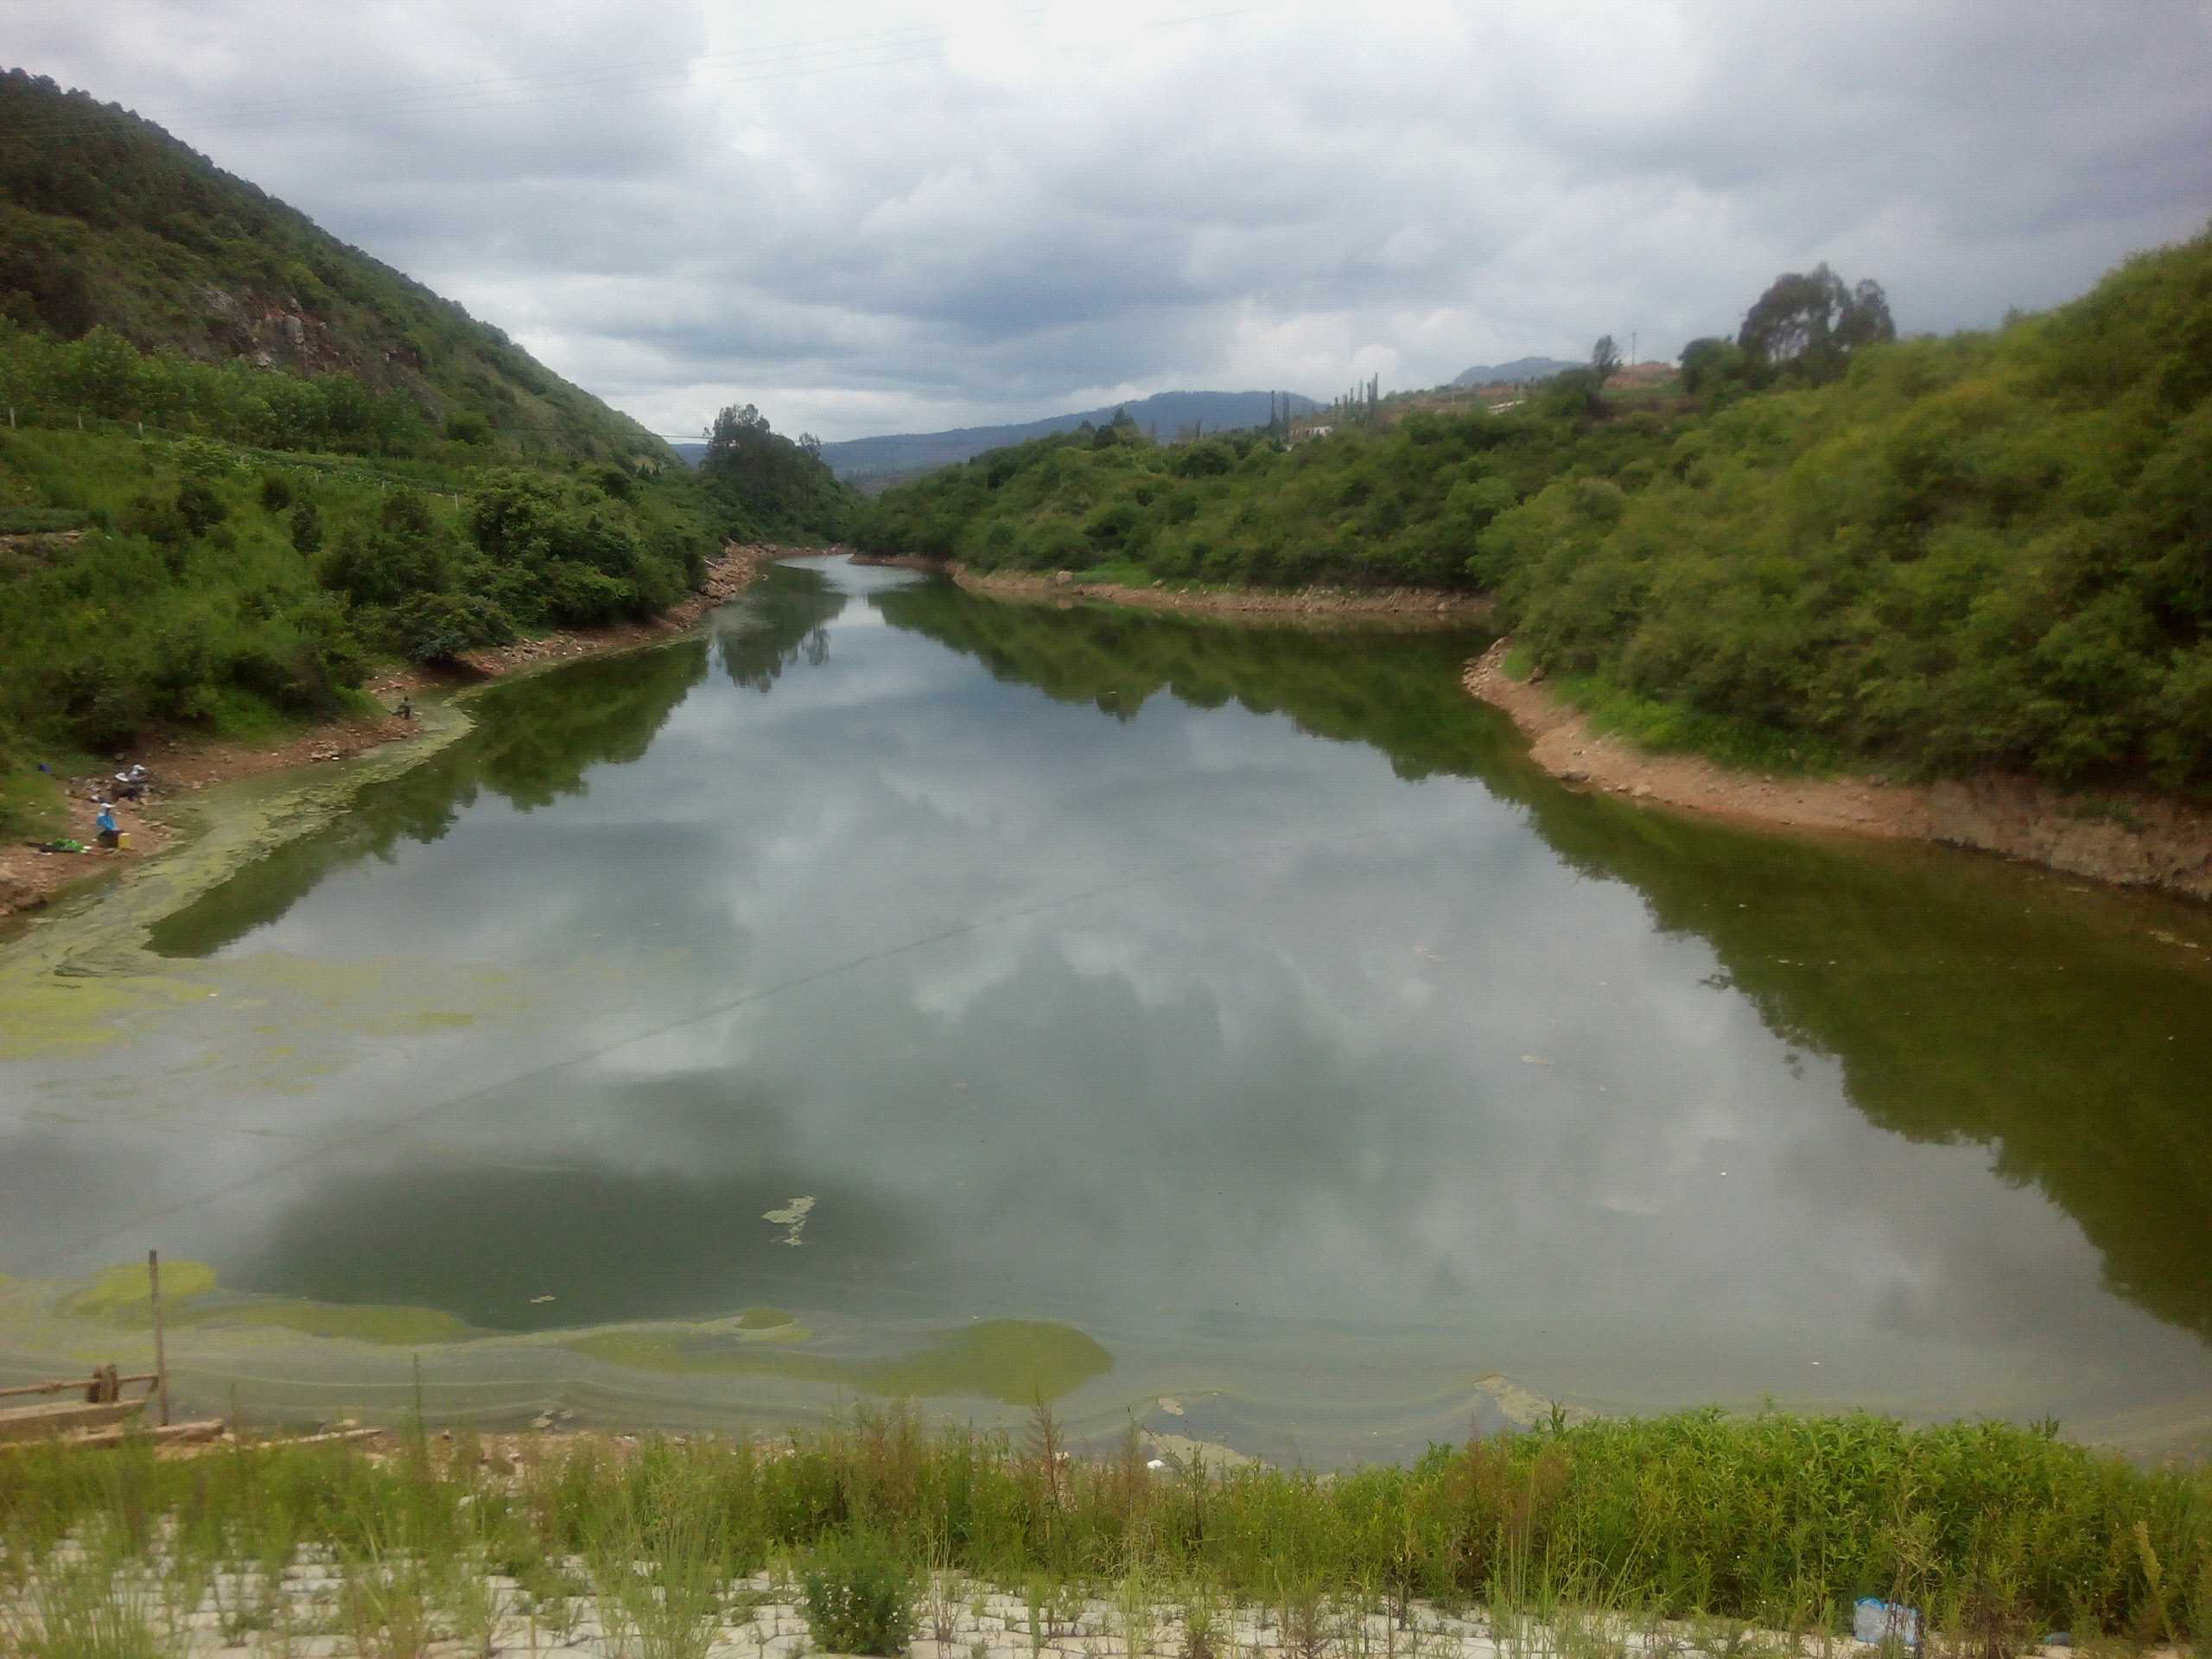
108,222
246,463
1170,414
1994,548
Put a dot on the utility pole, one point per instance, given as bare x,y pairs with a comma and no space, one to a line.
160,1354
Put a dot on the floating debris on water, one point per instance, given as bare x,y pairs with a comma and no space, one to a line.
791,1217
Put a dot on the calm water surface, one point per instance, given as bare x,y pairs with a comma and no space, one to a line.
1239,999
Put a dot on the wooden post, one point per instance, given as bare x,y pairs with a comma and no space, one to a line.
160,1354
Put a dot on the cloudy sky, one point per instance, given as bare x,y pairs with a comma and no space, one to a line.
873,215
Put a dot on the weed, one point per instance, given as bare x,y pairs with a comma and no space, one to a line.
859,1595
85,1608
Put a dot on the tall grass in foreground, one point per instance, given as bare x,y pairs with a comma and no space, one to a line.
1999,1533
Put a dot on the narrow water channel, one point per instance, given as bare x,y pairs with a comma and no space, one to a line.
897,991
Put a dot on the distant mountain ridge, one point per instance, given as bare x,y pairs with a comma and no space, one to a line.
108,221
1166,412
1520,369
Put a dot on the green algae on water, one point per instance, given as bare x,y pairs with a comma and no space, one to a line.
121,1296
1014,1361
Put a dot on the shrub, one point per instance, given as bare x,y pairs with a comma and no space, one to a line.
198,507
859,1595
307,528
159,522
432,627
275,492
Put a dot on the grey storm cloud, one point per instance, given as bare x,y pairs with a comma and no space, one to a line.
880,216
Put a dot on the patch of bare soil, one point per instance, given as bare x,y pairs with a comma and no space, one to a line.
179,763
1399,606
2134,838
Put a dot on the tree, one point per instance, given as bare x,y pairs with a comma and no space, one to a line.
1808,323
734,430
1711,365
1604,359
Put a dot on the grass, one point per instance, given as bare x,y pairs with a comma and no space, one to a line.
1567,1537
41,521
1666,728
33,806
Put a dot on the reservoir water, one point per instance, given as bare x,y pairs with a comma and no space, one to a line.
894,991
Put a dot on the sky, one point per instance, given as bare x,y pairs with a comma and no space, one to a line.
869,216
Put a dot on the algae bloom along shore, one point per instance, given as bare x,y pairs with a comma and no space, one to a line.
892,993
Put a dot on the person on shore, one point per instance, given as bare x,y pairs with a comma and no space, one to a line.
111,831
407,707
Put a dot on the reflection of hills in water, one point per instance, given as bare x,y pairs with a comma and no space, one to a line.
1966,1001
535,739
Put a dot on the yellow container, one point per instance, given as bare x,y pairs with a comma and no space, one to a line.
122,840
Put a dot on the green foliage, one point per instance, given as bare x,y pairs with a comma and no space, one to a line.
1777,1518
113,236
859,1595
1355,509
305,528
770,487
198,509
1808,324
192,607
1938,554
1989,549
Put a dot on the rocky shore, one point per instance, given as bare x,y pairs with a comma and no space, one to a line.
2134,839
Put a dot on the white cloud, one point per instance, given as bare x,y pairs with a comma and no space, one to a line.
892,216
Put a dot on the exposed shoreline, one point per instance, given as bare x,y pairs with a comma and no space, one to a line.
2132,839
1397,607
184,765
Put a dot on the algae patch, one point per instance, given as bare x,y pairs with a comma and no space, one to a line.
124,1295
1014,1361
792,1218
763,1319
121,1296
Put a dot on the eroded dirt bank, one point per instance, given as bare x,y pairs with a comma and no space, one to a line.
183,764
1399,606
2135,839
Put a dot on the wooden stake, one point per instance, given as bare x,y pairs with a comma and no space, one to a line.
160,1354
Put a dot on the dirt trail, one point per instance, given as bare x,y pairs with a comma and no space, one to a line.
1399,606
183,763
2134,838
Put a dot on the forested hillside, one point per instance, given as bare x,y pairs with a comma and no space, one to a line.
1990,549
107,222
1168,414
247,463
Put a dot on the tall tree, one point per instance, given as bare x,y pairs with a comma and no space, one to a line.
1604,359
1808,323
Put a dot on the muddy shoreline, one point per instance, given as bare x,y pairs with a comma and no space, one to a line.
1398,607
2131,839
184,765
